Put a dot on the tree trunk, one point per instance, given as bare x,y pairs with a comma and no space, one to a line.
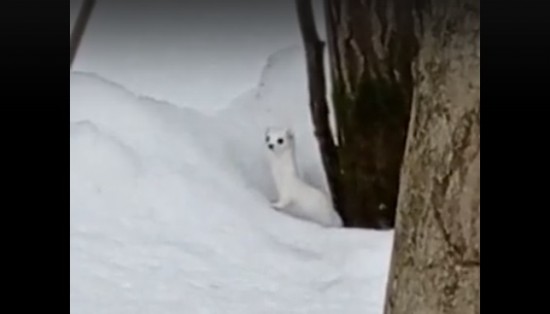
80,26
436,258
317,93
371,47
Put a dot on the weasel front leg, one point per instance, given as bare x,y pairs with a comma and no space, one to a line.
281,203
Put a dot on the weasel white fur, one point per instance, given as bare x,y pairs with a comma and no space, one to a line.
309,203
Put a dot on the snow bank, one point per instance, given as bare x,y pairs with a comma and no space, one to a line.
170,209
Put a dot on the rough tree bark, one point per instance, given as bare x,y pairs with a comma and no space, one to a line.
436,260
371,46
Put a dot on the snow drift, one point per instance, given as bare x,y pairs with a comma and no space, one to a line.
170,209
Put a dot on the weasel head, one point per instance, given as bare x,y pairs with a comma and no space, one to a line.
279,140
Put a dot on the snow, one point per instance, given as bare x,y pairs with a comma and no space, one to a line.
157,46
170,206
191,41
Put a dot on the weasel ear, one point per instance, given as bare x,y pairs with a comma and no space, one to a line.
289,133
267,131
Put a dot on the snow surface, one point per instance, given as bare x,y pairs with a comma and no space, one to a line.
170,208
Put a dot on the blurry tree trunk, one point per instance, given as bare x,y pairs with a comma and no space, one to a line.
81,22
371,47
436,257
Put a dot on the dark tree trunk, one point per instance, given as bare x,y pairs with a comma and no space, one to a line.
436,259
317,93
371,46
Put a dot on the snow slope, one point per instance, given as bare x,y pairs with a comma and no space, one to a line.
170,209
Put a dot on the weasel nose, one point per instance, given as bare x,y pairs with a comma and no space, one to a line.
270,146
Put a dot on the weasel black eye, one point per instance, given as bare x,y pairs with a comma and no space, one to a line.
280,141
267,139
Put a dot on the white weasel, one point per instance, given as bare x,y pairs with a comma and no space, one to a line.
310,203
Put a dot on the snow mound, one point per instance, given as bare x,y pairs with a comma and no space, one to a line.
170,209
